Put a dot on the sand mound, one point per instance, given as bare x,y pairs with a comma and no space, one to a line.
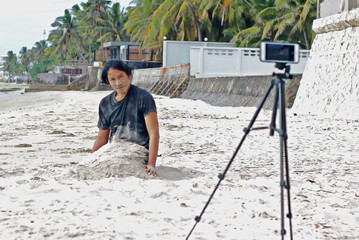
116,159
123,159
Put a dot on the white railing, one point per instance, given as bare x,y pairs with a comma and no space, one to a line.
225,61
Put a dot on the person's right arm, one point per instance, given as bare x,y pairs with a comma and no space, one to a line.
102,139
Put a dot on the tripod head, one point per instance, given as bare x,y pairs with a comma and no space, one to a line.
286,74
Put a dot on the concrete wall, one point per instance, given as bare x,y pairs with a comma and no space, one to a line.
330,7
53,78
238,91
224,91
330,83
94,78
146,78
209,62
178,52
167,81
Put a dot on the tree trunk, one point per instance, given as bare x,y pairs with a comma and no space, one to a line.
307,44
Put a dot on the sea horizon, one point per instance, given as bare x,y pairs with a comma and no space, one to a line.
11,90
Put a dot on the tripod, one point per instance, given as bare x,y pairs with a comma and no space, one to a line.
279,103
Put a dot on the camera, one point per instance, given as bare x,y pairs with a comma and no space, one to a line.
279,52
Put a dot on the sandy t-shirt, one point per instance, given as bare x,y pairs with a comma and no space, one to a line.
126,119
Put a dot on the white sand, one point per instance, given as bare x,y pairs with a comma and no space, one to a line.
48,191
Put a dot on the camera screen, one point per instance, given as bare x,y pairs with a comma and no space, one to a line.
278,52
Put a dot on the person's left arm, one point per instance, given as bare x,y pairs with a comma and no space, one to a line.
154,135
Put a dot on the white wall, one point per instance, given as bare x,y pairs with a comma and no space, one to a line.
230,61
330,82
178,52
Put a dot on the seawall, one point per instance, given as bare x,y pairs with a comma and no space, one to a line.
330,83
168,81
175,81
238,91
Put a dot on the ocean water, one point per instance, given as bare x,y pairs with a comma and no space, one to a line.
6,95
10,91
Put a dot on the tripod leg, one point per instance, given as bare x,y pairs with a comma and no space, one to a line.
284,157
274,111
222,175
248,129
260,106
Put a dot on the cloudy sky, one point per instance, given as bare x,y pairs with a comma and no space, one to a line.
22,22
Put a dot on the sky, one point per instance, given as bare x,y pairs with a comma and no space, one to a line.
22,23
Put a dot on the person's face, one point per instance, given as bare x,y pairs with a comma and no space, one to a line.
119,80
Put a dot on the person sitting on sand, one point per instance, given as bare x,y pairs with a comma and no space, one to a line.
128,113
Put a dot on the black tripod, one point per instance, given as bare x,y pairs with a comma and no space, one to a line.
279,103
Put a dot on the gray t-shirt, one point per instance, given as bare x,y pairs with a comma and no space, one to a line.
126,119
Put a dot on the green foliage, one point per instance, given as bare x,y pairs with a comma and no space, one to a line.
112,28
284,21
86,26
43,67
11,65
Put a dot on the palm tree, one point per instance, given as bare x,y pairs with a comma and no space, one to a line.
285,21
138,19
57,51
11,65
182,17
95,10
297,16
94,13
251,33
246,22
38,51
25,57
70,39
230,17
151,20
112,28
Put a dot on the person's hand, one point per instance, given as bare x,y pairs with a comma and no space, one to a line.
151,170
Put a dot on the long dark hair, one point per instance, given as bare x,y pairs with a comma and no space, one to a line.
114,64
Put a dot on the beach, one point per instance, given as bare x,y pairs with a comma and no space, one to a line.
51,189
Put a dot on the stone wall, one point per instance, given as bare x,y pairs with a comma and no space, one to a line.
238,91
330,83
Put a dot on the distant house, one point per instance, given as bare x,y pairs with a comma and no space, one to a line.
73,70
2,62
133,54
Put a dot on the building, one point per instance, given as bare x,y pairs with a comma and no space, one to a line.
133,54
3,76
